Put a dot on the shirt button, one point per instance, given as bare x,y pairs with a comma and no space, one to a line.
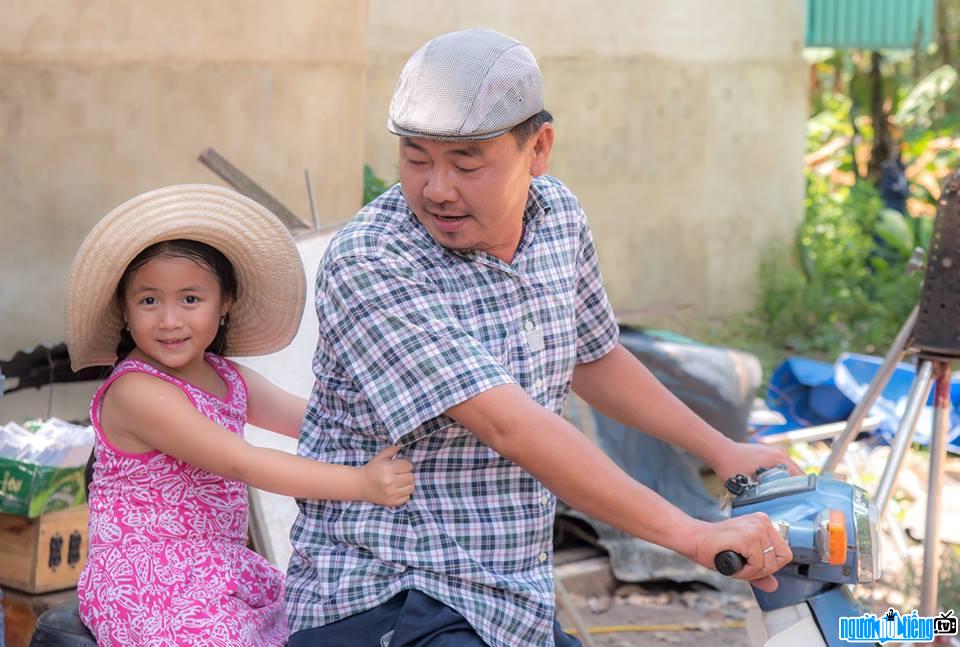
528,325
542,557
538,383
544,499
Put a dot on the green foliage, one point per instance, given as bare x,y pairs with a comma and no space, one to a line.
843,287
373,185
917,110
831,121
895,232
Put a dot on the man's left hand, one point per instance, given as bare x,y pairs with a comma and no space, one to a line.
745,458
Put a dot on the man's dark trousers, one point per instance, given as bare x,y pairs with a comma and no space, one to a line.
409,619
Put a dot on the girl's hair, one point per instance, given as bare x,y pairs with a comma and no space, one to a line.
200,253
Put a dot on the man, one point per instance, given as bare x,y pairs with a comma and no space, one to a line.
456,312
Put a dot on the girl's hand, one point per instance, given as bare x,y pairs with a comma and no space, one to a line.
386,481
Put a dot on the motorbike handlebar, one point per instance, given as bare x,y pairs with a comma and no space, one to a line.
728,562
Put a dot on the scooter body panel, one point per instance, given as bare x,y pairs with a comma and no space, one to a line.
791,626
827,610
813,623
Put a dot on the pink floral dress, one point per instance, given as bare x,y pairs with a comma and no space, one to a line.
168,562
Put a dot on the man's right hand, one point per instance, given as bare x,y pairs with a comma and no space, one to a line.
748,535
386,480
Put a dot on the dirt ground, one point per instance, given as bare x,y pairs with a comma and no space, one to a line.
688,616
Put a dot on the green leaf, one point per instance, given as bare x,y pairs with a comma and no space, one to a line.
915,111
373,186
924,228
894,230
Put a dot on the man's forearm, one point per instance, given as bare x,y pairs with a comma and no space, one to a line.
573,468
621,387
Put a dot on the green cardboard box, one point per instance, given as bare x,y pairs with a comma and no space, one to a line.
30,490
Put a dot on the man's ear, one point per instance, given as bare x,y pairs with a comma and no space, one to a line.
542,145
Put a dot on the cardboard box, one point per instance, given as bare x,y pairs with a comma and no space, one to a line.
43,554
31,490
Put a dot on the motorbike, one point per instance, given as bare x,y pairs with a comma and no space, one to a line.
831,527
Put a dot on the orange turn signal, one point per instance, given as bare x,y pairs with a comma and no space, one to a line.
837,537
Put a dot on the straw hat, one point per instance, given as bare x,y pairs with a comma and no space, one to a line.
271,284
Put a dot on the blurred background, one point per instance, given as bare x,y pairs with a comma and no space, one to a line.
679,125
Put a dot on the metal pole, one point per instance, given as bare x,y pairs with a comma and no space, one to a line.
816,433
855,421
313,210
583,632
919,391
938,449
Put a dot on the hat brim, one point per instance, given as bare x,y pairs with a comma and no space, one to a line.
441,137
270,276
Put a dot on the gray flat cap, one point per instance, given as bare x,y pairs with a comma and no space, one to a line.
466,85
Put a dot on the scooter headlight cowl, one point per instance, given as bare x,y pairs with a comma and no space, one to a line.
865,524
830,528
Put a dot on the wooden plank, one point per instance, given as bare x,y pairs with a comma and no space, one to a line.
243,184
18,557
69,523
25,550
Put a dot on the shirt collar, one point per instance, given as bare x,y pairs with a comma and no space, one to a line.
536,209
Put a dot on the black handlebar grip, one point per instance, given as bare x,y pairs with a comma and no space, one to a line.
728,562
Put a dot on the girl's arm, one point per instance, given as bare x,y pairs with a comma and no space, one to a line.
161,416
270,407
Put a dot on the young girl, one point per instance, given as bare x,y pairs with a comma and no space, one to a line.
163,287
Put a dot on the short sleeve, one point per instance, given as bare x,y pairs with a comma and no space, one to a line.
597,330
409,355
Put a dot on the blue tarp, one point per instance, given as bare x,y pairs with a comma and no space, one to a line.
808,392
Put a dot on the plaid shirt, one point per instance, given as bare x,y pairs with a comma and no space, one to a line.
409,329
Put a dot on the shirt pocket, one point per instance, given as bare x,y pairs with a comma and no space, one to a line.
497,337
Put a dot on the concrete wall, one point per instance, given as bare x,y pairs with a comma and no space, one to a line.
679,125
101,100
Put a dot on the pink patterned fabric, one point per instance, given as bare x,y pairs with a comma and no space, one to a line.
168,562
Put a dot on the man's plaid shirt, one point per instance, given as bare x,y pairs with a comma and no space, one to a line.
407,330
